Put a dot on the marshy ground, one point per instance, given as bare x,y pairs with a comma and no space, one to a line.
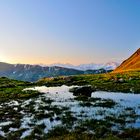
125,82
32,111
58,114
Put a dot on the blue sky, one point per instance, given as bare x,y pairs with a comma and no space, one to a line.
68,31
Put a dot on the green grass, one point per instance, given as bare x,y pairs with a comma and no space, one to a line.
115,82
61,133
13,89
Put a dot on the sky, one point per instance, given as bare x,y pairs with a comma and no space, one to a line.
68,31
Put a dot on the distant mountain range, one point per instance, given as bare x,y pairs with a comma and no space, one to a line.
130,64
33,73
90,66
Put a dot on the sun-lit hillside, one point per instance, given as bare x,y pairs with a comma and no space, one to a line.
132,63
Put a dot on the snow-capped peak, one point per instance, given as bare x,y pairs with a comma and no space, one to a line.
90,66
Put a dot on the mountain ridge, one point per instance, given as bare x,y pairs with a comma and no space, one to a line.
31,73
89,66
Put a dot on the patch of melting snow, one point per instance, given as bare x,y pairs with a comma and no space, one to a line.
6,123
26,120
125,99
13,129
49,125
2,133
15,108
26,133
22,112
62,97
14,72
27,102
13,103
58,93
65,104
36,107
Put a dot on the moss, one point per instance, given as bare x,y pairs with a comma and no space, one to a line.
132,133
15,135
41,115
82,136
5,128
47,101
74,136
105,103
37,133
81,98
13,89
95,126
68,119
16,124
17,93
2,138
57,131
85,104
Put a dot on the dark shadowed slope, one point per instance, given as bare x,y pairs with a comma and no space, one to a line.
33,73
5,66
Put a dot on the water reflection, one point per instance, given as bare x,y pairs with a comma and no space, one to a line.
59,106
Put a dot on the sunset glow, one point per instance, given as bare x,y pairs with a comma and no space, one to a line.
72,31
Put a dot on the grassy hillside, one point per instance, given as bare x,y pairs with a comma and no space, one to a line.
132,63
13,89
116,82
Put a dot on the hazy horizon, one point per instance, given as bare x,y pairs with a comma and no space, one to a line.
60,63
72,31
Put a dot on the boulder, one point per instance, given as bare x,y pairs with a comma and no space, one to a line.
82,91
